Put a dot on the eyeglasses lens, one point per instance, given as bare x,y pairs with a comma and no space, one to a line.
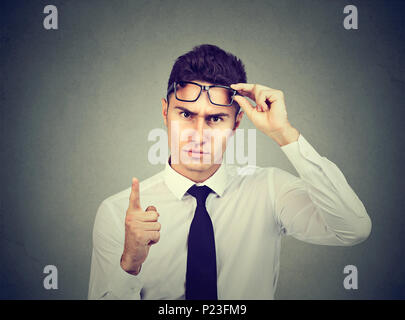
190,92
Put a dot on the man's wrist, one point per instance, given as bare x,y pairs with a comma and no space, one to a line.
128,266
285,136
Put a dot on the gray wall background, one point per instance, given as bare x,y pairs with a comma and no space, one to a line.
77,105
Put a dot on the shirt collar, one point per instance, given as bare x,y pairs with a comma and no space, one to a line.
179,184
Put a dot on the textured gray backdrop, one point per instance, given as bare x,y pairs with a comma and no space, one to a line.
77,105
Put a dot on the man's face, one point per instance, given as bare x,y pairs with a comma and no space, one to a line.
198,131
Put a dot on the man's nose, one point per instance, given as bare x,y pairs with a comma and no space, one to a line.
201,129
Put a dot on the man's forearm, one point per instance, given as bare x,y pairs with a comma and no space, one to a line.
286,136
128,266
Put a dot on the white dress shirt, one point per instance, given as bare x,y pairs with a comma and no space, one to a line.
249,212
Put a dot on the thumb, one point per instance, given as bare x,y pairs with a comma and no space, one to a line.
152,208
245,105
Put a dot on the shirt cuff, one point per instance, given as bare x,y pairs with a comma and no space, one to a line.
124,285
299,151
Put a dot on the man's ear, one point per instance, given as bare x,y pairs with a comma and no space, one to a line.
237,121
164,110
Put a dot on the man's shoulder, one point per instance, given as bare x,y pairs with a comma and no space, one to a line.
248,172
249,179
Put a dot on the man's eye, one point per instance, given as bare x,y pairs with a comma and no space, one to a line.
185,114
216,119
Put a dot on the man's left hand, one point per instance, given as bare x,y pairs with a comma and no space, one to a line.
270,114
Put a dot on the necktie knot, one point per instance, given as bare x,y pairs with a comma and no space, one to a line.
200,193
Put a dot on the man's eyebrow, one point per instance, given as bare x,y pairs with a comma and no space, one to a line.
220,114
185,109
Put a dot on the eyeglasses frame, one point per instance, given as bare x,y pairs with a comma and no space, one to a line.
203,88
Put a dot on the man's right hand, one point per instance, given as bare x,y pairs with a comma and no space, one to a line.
141,232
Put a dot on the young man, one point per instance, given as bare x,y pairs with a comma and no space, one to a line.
208,232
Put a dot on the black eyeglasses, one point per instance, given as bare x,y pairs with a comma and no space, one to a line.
189,91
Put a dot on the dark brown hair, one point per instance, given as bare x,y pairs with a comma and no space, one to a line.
208,63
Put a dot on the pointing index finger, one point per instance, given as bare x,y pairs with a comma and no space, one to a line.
134,201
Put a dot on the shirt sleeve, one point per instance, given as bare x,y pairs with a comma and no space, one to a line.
108,281
319,206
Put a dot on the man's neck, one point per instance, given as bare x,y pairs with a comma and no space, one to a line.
195,175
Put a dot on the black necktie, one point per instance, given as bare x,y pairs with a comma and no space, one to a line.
201,276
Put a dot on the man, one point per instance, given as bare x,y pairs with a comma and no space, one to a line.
207,231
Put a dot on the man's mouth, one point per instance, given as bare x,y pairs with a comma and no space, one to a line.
195,153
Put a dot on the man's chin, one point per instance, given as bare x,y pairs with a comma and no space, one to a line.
197,166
